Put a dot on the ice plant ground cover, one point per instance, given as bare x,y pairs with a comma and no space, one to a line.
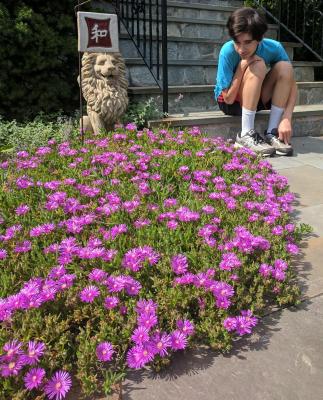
116,253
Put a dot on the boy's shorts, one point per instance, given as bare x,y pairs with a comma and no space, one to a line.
236,109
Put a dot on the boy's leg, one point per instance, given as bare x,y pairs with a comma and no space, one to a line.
250,90
276,88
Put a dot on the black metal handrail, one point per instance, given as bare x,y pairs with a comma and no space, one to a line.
146,24
301,19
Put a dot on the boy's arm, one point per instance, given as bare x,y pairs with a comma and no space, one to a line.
230,94
285,126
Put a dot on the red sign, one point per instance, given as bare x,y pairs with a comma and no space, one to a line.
98,32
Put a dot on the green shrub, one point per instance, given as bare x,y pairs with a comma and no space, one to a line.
38,58
23,136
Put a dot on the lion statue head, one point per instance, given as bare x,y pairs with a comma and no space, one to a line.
104,87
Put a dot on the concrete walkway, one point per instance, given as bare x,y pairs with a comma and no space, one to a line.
283,358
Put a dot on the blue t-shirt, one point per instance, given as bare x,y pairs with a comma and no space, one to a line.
269,50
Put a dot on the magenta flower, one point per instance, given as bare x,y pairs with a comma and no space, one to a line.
89,293
265,270
111,302
104,351
12,348
12,368
172,224
58,386
223,302
3,254
185,326
22,209
230,324
140,335
34,378
229,261
292,248
34,352
146,306
179,264
160,343
139,356
23,247
243,325
147,320
178,340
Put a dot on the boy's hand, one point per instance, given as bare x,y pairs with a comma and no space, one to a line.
254,59
285,130
244,63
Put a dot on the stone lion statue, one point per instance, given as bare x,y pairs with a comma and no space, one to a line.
104,87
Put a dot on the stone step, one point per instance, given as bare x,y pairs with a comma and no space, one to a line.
230,3
307,121
186,99
218,12
196,28
199,72
180,48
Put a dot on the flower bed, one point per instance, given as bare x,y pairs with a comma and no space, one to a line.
116,253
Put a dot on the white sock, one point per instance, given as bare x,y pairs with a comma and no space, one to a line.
248,121
275,117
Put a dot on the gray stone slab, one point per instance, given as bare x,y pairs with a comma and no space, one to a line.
309,267
281,163
282,360
312,215
307,183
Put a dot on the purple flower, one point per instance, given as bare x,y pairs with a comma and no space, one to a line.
111,302
223,289
230,324
265,270
223,302
131,126
22,209
133,287
104,351
13,348
66,281
160,343
179,264
229,261
146,306
147,320
278,274
58,386
185,326
172,224
12,368
292,248
178,340
140,335
34,352
3,254
89,293
243,325
23,247
139,355
34,378
170,202
57,272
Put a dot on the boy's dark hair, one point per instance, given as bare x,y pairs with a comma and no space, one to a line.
247,20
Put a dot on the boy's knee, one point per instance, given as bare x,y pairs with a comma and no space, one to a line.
284,70
257,69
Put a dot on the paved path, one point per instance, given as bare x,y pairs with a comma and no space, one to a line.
283,358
